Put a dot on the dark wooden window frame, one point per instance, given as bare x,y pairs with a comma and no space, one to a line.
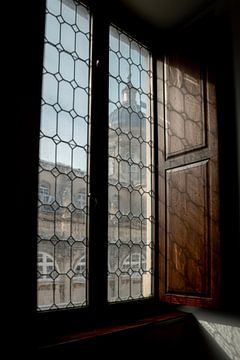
99,311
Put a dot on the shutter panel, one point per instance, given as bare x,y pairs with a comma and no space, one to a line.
188,183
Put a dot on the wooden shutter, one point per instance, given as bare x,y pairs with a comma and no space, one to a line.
188,183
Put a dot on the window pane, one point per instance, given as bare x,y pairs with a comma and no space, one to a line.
130,172
64,158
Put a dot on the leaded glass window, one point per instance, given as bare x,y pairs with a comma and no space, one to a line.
130,176
64,156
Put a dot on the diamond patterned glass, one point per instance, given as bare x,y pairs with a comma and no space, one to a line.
130,173
64,158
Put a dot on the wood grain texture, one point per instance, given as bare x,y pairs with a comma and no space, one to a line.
189,268
187,229
184,106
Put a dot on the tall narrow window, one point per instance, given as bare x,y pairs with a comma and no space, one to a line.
131,192
64,155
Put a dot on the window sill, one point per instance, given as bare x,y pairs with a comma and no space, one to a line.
99,333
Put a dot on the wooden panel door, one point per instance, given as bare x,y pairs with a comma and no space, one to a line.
188,183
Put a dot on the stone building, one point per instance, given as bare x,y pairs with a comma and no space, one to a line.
63,217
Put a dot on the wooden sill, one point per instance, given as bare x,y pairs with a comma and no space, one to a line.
106,330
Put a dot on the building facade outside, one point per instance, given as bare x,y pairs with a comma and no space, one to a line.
63,218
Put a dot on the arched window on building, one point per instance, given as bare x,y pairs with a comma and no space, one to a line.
80,267
45,197
114,202
134,261
81,200
135,173
46,265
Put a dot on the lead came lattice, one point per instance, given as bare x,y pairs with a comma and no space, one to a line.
131,193
64,158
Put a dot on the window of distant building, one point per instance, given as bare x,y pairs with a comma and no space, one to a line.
44,194
135,262
46,266
81,200
80,267
45,198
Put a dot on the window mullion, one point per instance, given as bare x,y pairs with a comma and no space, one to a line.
99,162
156,113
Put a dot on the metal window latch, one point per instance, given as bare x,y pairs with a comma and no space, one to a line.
94,199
